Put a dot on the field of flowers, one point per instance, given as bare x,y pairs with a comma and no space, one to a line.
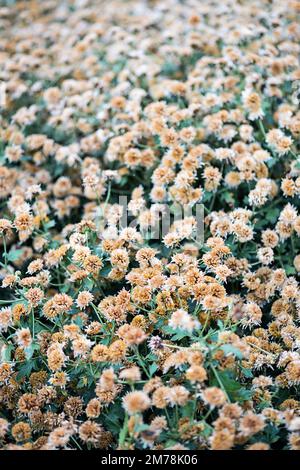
117,118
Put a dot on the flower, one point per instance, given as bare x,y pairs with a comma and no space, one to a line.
136,402
214,396
84,299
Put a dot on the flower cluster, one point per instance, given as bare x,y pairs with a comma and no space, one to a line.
111,338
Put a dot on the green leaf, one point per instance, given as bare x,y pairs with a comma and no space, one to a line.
229,349
177,334
272,215
290,270
25,370
14,254
247,372
271,433
105,271
234,389
30,350
6,352
49,224
180,335
88,284
187,410
139,427
229,198
153,368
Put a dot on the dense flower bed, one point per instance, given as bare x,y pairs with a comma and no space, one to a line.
111,336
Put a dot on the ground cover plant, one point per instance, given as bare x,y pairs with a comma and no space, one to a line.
113,336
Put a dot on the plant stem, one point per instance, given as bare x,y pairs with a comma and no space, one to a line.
5,252
141,362
262,128
124,431
220,381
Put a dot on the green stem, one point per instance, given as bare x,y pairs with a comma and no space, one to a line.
220,381
212,202
5,252
77,444
261,128
293,246
194,410
97,314
32,316
124,431
141,362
